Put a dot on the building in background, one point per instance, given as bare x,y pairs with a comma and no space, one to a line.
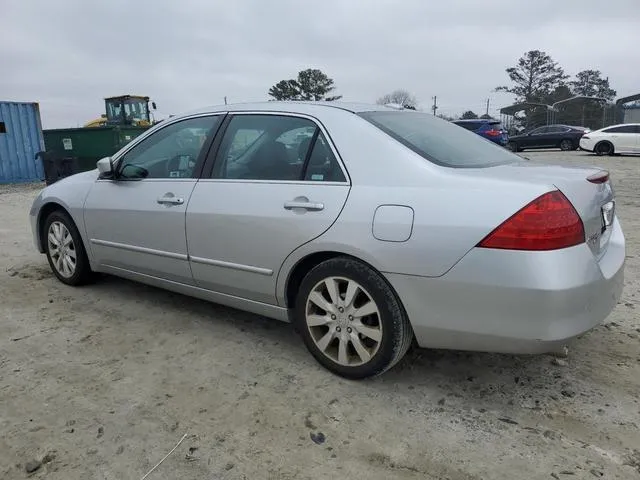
632,113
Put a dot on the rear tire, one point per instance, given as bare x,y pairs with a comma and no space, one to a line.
351,320
513,146
566,145
65,251
603,148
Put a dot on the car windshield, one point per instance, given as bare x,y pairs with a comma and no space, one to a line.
440,141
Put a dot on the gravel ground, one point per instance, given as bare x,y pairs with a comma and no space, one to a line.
101,382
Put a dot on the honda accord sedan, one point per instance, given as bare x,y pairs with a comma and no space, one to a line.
370,228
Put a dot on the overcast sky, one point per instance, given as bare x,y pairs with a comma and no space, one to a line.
69,54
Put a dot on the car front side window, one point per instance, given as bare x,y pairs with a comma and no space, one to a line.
171,152
539,131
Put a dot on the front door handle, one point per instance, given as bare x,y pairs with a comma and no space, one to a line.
170,199
306,205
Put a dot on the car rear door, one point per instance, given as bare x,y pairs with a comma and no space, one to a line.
623,137
274,183
136,221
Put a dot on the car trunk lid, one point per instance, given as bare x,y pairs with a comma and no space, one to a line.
587,188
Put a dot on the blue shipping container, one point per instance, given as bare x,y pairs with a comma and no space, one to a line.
20,140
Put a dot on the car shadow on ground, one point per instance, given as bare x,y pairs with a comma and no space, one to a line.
455,373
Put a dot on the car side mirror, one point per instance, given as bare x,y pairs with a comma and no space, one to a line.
153,104
105,168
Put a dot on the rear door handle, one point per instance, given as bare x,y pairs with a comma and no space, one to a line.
170,199
304,205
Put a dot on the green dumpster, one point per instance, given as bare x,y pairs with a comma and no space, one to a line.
88,145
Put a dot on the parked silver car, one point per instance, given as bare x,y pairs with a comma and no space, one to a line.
366,226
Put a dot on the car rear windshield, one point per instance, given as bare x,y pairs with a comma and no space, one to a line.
440,141
493,126
469,125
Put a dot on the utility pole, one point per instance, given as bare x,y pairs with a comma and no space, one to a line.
435,104
487,111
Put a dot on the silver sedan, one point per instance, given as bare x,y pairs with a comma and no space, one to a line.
371,228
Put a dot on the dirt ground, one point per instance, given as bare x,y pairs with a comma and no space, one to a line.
101,382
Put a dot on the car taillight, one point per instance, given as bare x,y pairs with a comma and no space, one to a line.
493,133
548,223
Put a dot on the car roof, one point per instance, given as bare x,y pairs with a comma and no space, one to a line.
303,107
617,125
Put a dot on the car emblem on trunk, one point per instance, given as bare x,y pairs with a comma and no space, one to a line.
608,213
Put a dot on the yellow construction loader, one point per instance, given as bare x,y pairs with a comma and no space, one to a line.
131,110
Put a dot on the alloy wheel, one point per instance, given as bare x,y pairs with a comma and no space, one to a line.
604,149
62,249
344,321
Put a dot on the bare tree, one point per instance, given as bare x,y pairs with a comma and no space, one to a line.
400,97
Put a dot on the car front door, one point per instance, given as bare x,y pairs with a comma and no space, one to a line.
536,138
135,221
554,135
275,183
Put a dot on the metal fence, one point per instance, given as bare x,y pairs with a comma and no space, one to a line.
585,112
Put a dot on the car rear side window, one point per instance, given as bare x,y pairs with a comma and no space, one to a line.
440,141
622,129
275,148
322,165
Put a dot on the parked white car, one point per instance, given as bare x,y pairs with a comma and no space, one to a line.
623,138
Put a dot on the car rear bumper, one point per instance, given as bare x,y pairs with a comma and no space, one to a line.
499,140
586,145
515,302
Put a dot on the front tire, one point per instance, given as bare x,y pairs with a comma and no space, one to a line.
351,320
65,251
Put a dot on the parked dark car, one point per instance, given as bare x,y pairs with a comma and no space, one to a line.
564,137
487,128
